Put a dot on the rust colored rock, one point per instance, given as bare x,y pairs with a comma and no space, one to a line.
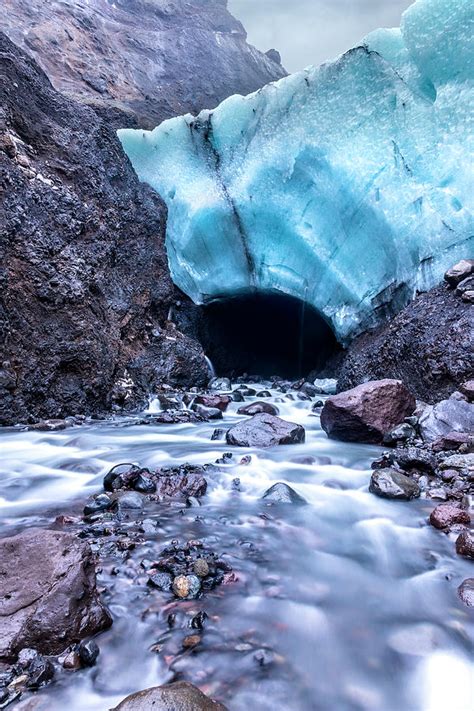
366,413
446,515
220,402
48,593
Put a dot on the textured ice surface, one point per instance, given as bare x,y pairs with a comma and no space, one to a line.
350,185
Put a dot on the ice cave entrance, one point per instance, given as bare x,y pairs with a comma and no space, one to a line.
265,334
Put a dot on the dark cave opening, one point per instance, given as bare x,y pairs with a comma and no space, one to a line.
265,334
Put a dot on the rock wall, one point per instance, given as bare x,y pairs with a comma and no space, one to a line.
140,61
85,288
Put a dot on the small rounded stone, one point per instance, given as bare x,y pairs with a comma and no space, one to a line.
201,568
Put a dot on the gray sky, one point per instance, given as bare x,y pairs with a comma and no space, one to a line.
312,31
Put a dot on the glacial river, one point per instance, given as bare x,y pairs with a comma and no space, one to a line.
346,604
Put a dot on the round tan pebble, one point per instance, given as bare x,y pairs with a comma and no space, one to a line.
181,586
201,568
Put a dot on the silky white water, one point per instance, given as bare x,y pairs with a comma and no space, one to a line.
350,601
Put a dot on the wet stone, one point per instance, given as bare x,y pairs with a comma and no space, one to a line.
392,484
161,581
99,503
465,545
466,592
255,408
402,433
283,494
446,515
201,568
88,652
186,586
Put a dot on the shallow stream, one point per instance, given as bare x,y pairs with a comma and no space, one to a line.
346,604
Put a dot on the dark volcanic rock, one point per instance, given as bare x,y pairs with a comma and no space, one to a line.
183,481
265,431
368,412
84,276
256,408
140,61
428,345
415,458
179,696
446,515
48,594
392,484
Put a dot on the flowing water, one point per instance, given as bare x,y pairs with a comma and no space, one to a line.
346,604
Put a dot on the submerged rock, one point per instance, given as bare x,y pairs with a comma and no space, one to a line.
283,494
179,696
49,596
392,484
265,430
368,412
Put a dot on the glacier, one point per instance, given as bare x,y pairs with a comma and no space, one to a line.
349,186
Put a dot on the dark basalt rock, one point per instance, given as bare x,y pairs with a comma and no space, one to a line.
409,458
368,412
392,484
48,597
185,480
426,345
462,270
84,280
265,431
179,696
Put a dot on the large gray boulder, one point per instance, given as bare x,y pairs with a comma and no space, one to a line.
452,415
180,696
368,412
265,430
48,593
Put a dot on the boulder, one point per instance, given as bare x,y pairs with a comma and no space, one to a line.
265,431
179,696
459,272
256,408
282,494
181,481
466,592
410,458
446,515
452,415
392,484
452,441
48,593
465,545
368,412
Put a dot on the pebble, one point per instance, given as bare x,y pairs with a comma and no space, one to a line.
186,586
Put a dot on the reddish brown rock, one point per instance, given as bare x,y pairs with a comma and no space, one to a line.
452,441
446,515
368,412
465,545
48,593
220,402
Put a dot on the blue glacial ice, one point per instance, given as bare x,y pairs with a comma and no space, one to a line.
349,185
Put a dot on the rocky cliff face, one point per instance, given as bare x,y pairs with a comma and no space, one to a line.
140,61
85,288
